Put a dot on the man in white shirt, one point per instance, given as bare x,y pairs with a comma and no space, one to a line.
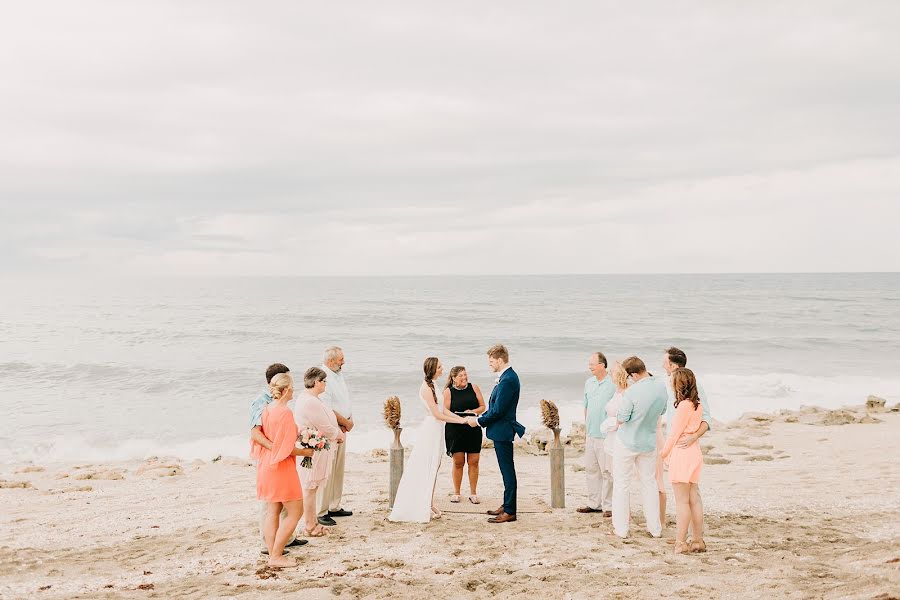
337,397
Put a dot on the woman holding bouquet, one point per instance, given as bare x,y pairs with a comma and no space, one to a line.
277,482
312,413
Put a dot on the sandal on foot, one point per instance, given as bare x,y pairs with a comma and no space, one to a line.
435,513
454,498
474,499
681,548
698,546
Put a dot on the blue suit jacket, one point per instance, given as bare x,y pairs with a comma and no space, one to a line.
500,419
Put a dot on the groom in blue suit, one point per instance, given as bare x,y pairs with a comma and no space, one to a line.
501,426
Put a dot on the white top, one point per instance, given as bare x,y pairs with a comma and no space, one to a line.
500,374
336,395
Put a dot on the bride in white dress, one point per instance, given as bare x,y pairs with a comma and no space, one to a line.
415,495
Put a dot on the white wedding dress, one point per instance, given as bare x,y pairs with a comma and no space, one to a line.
416,489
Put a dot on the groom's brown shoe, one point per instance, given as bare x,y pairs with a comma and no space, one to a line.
494,513
502,518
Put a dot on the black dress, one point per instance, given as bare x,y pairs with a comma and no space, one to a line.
463,438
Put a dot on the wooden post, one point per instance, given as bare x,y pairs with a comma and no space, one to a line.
557,473
396,465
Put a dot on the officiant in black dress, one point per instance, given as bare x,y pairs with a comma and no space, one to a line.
463,442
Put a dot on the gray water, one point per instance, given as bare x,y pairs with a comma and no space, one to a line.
120,369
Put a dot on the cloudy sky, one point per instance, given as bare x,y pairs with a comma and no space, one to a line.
241,138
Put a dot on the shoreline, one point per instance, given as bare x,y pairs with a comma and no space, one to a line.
798,505
369,437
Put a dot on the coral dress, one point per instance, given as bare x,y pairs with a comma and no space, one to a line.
276,470
314,414
685,464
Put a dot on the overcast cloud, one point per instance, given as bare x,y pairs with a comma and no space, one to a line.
233,138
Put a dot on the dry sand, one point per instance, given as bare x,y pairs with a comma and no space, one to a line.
795,508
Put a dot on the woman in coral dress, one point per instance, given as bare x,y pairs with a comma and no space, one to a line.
312,413
685,464
277,482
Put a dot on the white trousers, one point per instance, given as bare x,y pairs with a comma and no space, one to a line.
625,462
598,473
328,497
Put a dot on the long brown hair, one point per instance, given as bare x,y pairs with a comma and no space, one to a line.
430,368
685,385
453,373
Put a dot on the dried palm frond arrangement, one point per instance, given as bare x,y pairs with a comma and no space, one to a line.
392,412
549,414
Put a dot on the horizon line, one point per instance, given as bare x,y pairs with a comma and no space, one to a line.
435,275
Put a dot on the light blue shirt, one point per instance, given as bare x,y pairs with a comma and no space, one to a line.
643,403
670,403
597,395
257,407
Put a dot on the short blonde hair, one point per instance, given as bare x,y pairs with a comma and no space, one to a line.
280,384
499,351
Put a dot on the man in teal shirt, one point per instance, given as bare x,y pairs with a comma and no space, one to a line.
643,403
598,391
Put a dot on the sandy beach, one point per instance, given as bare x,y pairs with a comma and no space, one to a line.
802,504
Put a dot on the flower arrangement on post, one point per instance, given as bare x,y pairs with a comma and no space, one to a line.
392,420
392,412
550,417
313,439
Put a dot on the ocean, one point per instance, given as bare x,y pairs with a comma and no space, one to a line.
117,369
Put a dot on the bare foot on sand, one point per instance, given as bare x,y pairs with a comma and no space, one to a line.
282,562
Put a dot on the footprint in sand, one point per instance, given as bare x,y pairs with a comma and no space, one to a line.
30,469
8,485
761,457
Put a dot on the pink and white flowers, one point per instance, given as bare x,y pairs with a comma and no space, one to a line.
312,438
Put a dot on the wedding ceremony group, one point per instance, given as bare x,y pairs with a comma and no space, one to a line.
637,426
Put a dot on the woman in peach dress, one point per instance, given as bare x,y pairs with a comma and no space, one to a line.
277,482
685,464
312,413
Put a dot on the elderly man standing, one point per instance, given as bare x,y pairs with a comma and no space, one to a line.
337,397
598,391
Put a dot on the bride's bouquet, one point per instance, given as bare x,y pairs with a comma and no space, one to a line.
313,439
